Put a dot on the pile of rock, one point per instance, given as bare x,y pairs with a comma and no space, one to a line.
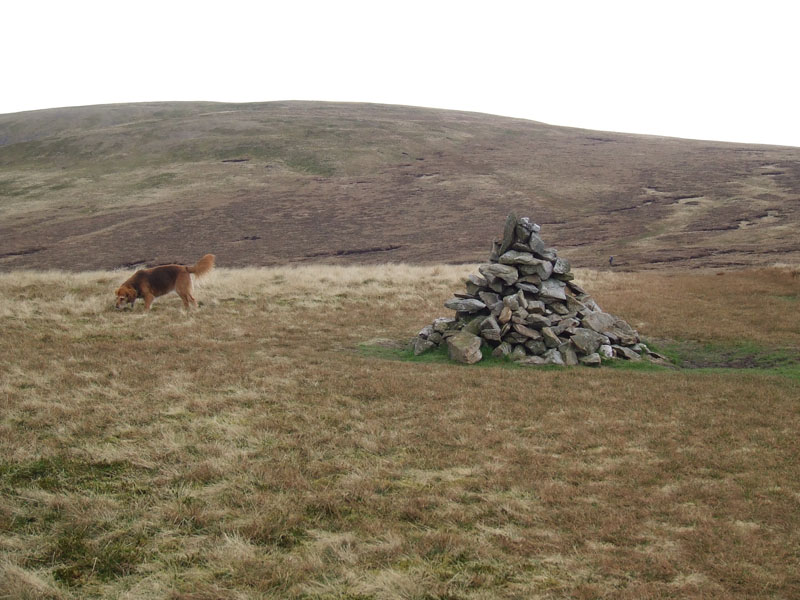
526,306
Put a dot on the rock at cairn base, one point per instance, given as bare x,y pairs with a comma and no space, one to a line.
525,306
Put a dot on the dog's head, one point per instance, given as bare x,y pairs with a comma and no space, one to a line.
125,295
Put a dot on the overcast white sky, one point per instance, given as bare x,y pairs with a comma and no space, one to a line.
699,69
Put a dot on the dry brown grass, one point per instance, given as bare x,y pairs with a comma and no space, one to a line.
250,450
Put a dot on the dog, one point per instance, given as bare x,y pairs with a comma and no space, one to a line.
158,281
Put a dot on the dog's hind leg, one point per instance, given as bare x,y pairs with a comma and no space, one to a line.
184,288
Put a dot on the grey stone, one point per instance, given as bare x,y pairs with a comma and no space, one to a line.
565,324
465,305
527,331
588,341
505,315
490,330
535,242
507,273
535,306
527,287
464,347
626,353
553,357
606,351
551,340
442,324
536,347
515,338
473,326
436,338
495,253
599,321
519,316
518,352
561,266
523,301
592,360
539,268
548,254
504,349
425,332
530,361
489,298
524,229
567,351
552,289
537,321
627,335
575,305
491,335
422,345
496,285
590,303
615,328
520,247
511,302
576,288
475,284
559,308
532,279
512,257
508,233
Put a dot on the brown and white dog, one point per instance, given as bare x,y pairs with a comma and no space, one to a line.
157,281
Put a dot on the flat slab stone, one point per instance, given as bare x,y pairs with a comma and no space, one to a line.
588,341
553,288
531,361
527,331
626,353
466,305
513,257
599,321
592,360
527,287
507,273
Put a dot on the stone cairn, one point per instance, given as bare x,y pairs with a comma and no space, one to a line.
526,306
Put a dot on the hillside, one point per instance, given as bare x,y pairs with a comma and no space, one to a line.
290,182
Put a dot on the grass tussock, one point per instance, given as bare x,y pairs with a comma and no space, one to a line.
250,449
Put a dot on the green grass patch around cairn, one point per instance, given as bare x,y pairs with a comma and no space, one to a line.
396,350
682,355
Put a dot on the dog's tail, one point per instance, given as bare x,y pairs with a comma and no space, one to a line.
203,266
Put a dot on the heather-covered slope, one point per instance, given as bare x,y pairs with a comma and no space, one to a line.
290,182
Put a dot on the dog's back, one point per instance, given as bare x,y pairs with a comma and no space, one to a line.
159,280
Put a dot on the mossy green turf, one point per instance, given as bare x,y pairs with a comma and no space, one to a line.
684,356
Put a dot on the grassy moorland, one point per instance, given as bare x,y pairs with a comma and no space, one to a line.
265,184
279,443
